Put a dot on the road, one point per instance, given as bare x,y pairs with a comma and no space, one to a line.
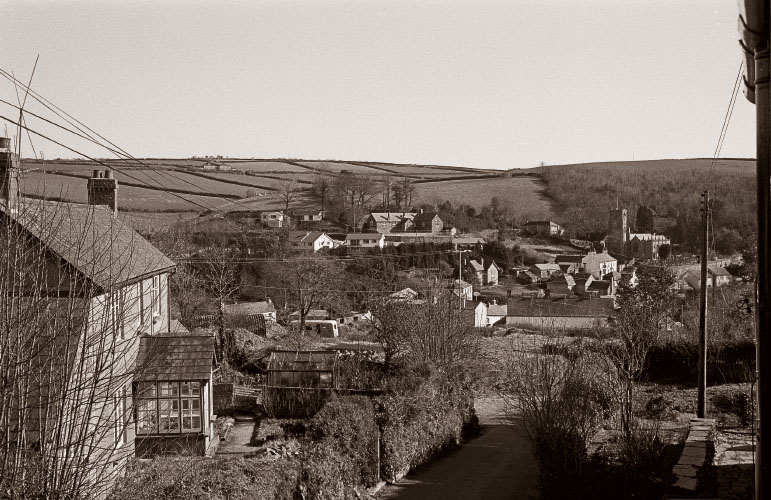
497,465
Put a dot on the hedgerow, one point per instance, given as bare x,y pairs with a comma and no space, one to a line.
428,415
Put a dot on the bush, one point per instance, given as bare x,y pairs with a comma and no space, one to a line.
342,457
199,478
737,402
729,361
428,414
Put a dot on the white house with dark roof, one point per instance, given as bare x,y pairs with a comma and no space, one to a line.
90,292
311,240
364,240
599,264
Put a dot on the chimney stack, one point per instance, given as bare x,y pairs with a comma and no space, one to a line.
9,176
103,190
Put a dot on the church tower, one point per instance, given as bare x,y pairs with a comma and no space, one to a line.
618,230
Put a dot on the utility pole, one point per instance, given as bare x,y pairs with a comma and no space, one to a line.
701,404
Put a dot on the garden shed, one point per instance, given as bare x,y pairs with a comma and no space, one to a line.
299,382
303,369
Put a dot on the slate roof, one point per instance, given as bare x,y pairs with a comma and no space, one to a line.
425,217
305,236
391,216
175,357
245,308
718,271
102,248
599,285
568,258
601,257
497,310
363,236
573,307
476,265
547,267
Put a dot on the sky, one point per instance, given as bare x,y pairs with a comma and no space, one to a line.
484,84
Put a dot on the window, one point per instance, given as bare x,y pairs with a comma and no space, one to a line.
155,296
119,416
169,407
117,313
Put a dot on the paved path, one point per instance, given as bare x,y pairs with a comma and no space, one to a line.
496,466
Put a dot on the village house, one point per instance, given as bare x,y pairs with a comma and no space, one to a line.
385,222
463,289
364,240
307,215
488,315
264,308
544,228
716,275
545,271
274,219
599,264
312,241
404,295
569,264
485,275
559,313
427,222
106,308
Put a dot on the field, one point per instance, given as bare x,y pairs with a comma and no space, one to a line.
523,195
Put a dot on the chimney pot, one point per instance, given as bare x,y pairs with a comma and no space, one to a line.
108,174
97,174
5,143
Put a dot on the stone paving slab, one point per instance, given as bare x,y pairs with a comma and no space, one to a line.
694,454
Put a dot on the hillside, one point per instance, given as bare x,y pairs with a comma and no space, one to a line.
182,185
671,187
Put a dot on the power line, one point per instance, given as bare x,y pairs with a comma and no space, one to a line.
726,122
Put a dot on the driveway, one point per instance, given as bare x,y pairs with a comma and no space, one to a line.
497,465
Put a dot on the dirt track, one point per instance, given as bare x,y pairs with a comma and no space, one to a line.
497,465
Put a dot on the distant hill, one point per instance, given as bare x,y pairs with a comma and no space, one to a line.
671,187
576,195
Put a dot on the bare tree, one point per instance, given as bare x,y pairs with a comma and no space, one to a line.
322,187
644,309
287,192
311,282
67,333
220,273
431,330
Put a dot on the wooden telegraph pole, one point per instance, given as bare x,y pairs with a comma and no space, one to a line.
701,405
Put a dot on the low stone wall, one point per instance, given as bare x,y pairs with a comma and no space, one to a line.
694,455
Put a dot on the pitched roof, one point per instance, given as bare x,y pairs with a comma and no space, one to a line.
603,286
363,236
600,257
476,265
305,236
462,284
101,247
568,258
405,293
175,357
497,310
547,267
538,222
572,307
718,271
425,217
391,216
262,307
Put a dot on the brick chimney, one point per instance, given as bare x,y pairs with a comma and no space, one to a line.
9,176
103,190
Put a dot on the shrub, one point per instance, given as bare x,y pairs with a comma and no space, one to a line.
428,414
342,455
198,478
728,361
737,402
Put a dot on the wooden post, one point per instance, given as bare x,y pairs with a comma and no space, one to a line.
701,404
763,297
